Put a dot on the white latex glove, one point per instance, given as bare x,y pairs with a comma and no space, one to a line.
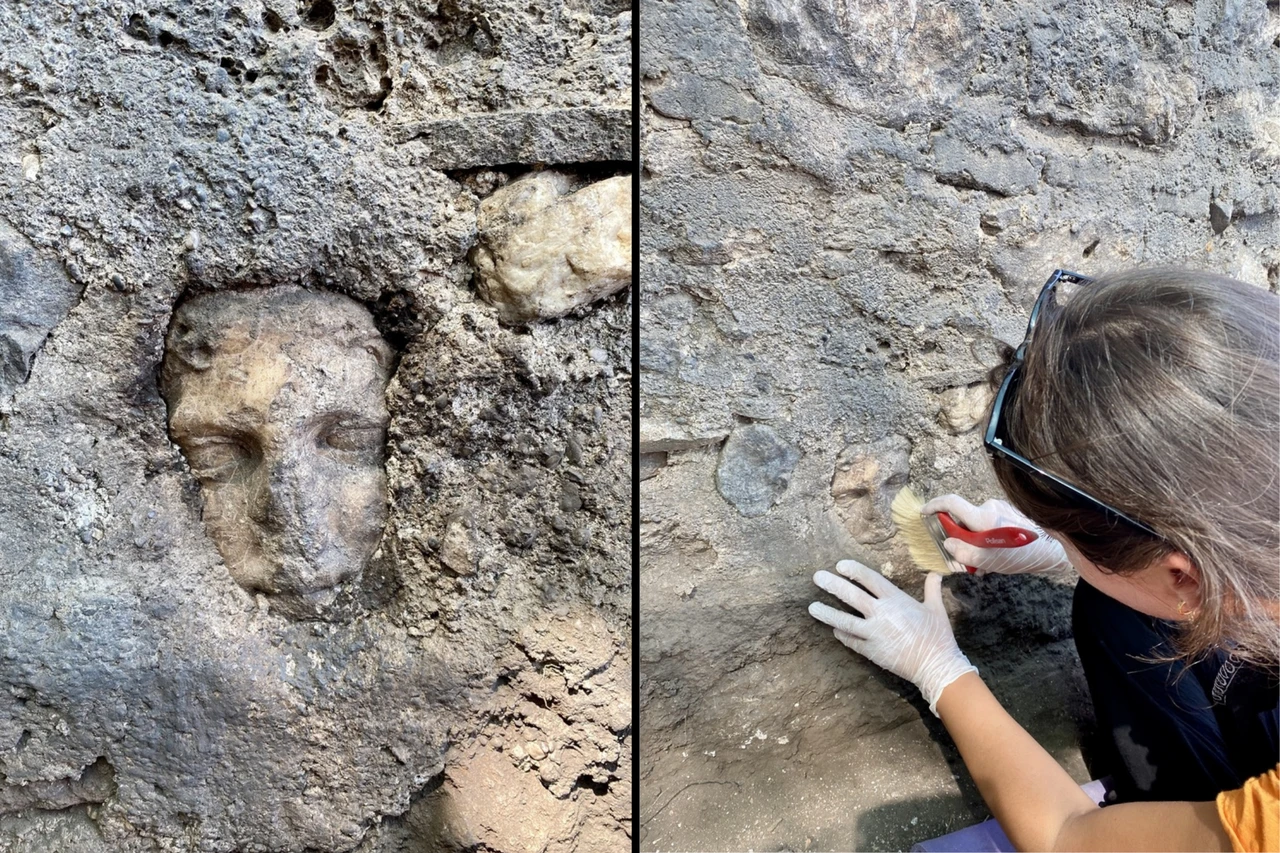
910,639
1043,555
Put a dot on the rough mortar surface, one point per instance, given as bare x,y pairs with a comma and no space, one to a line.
842,208
149,702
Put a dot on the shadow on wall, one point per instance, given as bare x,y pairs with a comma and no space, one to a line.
900,825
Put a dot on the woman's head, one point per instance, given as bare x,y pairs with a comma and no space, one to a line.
1158,392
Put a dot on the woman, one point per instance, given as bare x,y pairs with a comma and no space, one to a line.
1139,423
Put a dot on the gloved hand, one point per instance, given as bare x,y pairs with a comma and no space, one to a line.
910,639
1043,555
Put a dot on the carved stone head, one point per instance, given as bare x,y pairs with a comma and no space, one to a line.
276,398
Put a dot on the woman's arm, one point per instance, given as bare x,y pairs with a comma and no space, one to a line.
1037,803
1034,799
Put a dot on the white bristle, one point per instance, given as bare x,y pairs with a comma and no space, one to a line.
905,511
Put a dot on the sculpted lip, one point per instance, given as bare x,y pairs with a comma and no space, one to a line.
276,399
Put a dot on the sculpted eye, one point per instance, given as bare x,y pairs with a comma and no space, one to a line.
215,457
353,438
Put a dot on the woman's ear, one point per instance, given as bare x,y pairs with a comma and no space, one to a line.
1183,579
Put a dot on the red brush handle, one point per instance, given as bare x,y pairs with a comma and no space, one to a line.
997,537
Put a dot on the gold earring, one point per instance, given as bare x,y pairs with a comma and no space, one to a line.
1182,609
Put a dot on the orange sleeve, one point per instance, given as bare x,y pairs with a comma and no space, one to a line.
1251,815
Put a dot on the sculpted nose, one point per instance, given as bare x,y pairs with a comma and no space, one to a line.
291,501
275,501
282,495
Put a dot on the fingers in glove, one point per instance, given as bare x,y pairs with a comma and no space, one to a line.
1039,556
879,585
857,598
960,509
853,642
966,554
838,619
933,593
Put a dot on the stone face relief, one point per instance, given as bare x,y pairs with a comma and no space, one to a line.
234,620
866,479
276,398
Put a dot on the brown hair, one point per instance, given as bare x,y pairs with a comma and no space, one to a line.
1158,392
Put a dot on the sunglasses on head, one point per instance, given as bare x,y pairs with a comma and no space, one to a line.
996,439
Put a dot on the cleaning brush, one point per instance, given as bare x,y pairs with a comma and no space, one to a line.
924,534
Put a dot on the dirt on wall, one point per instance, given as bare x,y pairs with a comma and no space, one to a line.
842,206
472,689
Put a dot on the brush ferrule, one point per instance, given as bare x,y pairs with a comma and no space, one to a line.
938,535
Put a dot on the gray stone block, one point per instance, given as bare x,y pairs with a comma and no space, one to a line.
755,468
35,294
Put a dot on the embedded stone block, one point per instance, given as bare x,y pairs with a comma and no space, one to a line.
964,407
545,250
35,294
755,468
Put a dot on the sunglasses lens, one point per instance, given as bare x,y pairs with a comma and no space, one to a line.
1004,398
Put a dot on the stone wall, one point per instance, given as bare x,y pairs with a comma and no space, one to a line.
472,689
842,205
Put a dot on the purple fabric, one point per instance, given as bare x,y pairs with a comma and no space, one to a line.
978,838
988,836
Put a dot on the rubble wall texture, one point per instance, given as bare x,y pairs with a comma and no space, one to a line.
474,690
842,204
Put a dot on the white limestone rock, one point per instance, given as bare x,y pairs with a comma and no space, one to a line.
545,250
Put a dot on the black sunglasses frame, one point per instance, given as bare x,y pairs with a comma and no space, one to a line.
996,446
